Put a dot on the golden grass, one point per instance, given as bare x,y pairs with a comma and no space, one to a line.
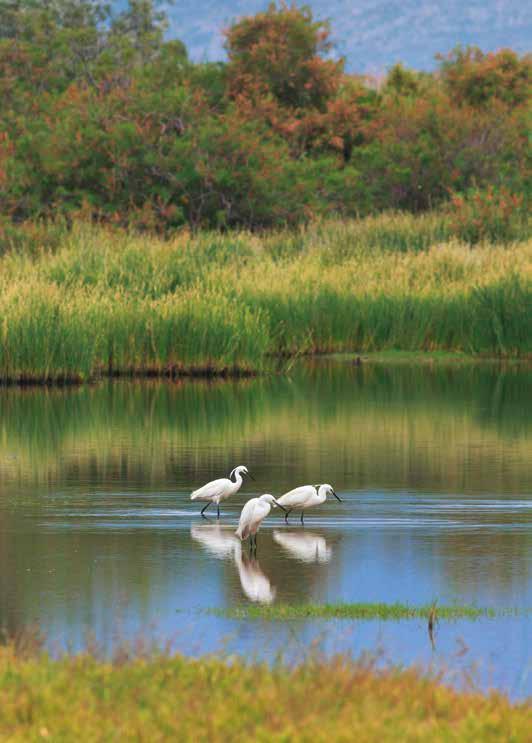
158,698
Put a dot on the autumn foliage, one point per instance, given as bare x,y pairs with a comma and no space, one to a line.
101,115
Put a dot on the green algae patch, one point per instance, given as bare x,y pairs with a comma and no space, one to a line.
368,611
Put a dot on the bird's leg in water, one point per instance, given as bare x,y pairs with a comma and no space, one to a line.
218,511
302,512
286,516
204,509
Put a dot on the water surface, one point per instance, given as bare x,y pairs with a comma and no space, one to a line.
434,466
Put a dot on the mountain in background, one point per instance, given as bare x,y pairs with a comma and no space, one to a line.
371,35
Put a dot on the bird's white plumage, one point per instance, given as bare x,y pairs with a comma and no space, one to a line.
216,490
306,496
253,513
219,490
297,497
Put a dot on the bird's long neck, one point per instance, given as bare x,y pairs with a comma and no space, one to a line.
322,493
236,478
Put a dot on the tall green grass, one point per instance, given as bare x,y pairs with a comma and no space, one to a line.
94,300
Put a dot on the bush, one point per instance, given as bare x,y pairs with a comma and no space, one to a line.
100,113
492,214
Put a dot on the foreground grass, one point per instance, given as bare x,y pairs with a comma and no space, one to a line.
360,611
160,698
94,301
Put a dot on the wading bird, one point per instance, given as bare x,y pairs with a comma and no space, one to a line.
217,491
306,496
252,516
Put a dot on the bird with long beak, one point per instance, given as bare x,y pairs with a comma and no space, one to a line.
306,496
253,514
217,491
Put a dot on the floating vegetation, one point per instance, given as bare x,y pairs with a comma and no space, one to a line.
382,611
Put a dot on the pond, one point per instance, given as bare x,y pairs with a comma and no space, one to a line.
99,541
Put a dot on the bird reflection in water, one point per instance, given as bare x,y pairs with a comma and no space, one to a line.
304,546
222,543
219,541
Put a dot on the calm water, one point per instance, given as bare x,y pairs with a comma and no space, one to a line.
98,536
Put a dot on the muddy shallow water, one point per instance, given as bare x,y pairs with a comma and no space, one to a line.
434,466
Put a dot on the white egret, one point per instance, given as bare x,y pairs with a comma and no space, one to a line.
253,513
306,496
303,545
217,491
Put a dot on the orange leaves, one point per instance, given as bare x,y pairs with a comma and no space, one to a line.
488,214
279,53
475,78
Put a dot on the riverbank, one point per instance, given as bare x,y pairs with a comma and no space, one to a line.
89,302
154,697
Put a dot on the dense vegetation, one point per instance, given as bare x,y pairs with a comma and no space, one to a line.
105,125
92,299
102,116
159,698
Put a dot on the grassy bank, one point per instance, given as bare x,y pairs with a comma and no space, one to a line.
161,698
382,612
91,301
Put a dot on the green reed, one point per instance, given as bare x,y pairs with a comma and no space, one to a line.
98,301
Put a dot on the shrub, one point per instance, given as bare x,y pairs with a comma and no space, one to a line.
493,214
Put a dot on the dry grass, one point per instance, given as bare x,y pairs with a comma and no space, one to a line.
159,698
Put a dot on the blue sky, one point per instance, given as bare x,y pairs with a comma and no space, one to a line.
372,35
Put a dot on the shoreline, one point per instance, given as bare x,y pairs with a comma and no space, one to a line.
391,358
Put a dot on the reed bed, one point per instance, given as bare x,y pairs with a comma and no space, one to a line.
98,301
156,697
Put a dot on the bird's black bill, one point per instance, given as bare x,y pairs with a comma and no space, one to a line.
281,507
250,475
336,496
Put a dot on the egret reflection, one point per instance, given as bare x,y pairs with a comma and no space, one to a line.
255,583
303,545
221,542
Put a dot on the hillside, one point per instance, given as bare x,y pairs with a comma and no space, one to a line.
372,35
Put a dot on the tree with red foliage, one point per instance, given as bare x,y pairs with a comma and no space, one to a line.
477,79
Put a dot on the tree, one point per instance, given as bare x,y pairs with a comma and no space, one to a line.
477,79
282,53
